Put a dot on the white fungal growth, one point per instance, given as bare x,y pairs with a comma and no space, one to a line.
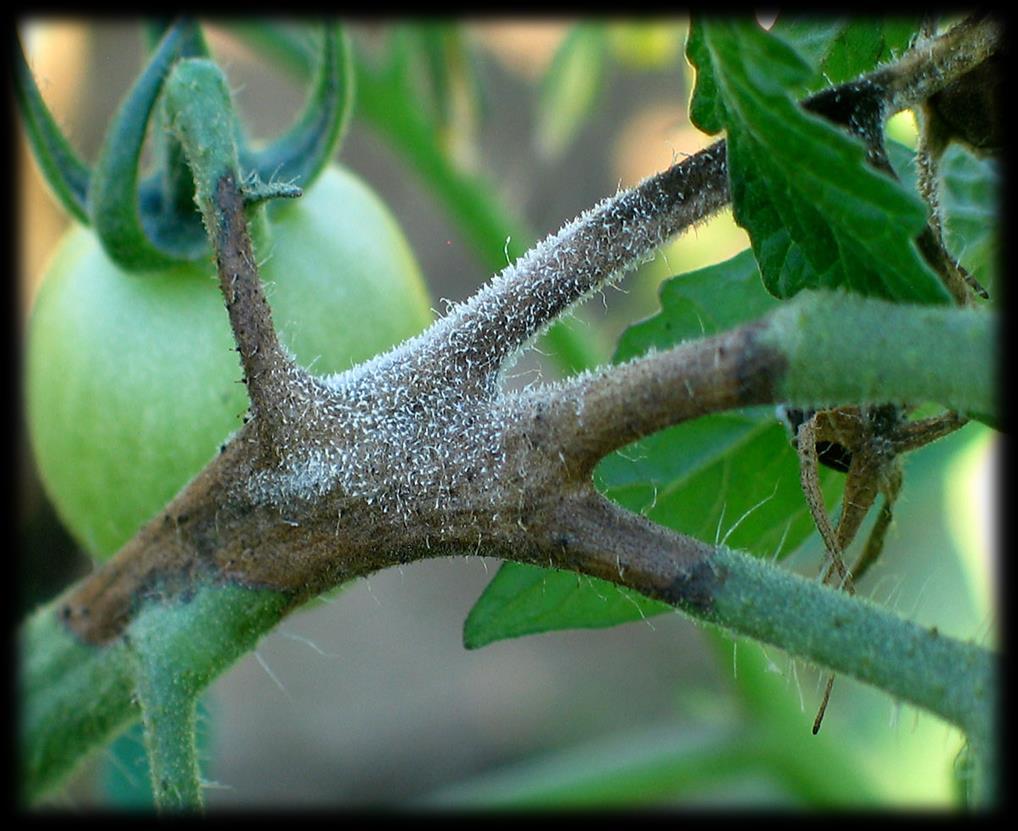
411,428
587,254
398,439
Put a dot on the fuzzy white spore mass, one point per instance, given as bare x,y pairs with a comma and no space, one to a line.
414,426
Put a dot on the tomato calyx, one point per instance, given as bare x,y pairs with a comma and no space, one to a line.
153,223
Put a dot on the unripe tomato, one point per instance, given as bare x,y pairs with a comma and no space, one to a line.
132,381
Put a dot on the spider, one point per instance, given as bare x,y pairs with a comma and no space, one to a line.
865,443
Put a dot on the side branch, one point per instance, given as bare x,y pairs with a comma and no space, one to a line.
250,317
596,414
198,102
820,349
598,246
939,62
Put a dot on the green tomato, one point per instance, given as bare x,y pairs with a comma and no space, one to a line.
132,381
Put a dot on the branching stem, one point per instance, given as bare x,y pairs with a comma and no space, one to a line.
200,112
419,453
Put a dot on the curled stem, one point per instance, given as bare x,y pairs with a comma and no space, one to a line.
113,198
67,175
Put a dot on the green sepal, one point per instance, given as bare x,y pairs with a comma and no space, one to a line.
154,224
299,156
67,175
126,220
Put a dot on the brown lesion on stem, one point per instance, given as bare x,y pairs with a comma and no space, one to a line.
275,384
250,316
598,538
214,530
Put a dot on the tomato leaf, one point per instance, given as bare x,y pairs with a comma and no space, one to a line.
841,49
969,205
970,201
836,50
706,108
817,214
526,600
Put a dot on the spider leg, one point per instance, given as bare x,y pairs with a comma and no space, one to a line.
874,439
890,488
915,434
809,478
823,704
908,436
861,485
861,488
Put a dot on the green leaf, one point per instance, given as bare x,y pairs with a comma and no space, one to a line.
438,68
817,214
706,109
697,304
746,496
970,190
767,739
841,49
525,600
779,67
665,765
970,199
731,476
570,88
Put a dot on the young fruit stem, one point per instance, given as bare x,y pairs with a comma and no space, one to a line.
200,112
